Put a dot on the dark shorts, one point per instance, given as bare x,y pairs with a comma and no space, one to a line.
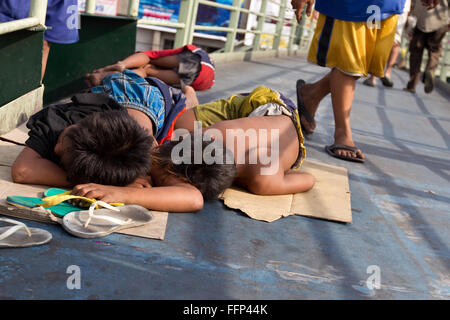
189,67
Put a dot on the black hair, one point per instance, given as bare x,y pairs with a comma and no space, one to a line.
210,178
108,148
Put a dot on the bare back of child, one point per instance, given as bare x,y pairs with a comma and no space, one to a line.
265,149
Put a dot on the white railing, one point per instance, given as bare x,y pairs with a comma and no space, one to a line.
38,10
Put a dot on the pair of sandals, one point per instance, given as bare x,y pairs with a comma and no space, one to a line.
331,149
91,223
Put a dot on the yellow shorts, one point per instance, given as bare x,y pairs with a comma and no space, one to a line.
352,47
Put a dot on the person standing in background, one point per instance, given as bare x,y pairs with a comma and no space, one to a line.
61,17
387,79
431,27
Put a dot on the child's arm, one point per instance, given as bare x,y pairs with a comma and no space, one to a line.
281,183
175,198
30,167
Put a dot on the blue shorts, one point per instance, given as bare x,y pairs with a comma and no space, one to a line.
132,91
61,16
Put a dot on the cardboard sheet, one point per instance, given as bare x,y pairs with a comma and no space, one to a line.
8,153
329,198
17,135
156,229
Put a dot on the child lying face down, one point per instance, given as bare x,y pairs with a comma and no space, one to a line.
188,65
106,138
266,142
262,134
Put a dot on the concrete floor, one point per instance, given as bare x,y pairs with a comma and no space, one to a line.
400,203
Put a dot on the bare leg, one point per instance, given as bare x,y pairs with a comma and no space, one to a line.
342,93
186,120
95,78
140,71
392,60
168,62
134,62
191,97
45,52
168,76
416,47
312,94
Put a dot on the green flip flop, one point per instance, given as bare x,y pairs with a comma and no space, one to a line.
54,200
60,209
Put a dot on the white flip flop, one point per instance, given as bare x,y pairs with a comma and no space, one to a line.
102,222
20,236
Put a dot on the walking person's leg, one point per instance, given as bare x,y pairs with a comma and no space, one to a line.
342,88
433,44
386,80
45,53
312,94
390,64
416,47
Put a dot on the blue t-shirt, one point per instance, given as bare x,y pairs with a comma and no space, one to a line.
159,101
62,17
132,91
356,10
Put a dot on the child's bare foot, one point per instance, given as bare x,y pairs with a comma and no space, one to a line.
117,67
94,79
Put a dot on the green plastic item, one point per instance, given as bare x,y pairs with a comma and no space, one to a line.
59,210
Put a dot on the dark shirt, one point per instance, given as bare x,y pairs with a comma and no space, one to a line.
46,125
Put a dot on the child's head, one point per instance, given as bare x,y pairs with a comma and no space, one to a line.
210,177
108,148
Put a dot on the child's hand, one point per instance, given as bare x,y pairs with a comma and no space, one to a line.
141,182
100,192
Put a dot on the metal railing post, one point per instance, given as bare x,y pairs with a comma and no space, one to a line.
259,27
280,25
38,9
234,19
185,16
133,8
90,6
35,20
193,20
292,33
301,29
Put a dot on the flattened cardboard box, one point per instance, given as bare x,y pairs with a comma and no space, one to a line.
329,199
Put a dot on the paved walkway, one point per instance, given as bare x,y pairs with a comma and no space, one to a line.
401,214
